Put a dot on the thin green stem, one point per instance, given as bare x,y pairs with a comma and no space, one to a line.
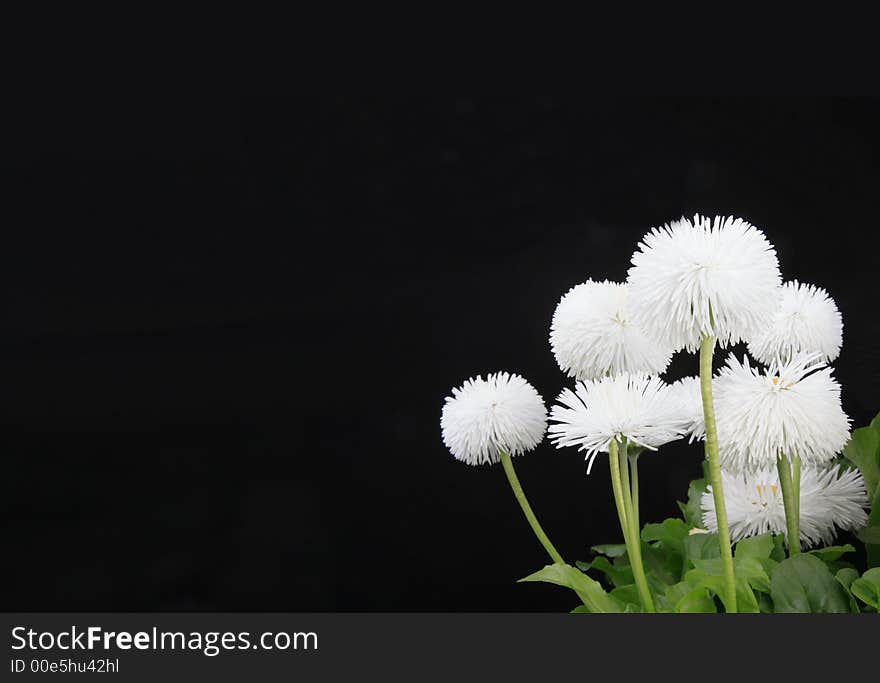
707,348
633,536
527,509
634,478
791,502
617,488
796,463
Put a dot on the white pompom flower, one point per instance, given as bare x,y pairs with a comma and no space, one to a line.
687,396
485,416
791,410
703,277
637,407
593,335
806,319
830,500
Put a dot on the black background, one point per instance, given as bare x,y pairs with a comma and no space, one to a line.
228,327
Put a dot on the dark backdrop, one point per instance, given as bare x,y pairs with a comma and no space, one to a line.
228,328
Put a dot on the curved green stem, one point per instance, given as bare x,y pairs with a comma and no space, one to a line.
791,500
631,530
527,509
707,348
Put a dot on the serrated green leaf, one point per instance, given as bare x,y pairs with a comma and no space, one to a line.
867,588
588,590
803,584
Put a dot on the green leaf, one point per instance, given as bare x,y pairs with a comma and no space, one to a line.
628,597
745,598
588,590
832,553
870,534
610,549
803,584
670,532
581,609
765,604
750,569
756,546
863,451
662,565
867,588
700,547
778,553
697,601
692,511
875,423
667,599
845,577
761,549
618,575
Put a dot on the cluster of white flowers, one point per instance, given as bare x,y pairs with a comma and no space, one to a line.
792,409
829,499
692,280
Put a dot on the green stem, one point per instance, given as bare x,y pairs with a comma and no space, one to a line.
618,491
632,532
797,489
634,478
713,459
791,501
527,509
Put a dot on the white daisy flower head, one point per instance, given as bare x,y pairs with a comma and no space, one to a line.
485,416
593,335
687,396
830,500
636,407
806,319
793,409
704,276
